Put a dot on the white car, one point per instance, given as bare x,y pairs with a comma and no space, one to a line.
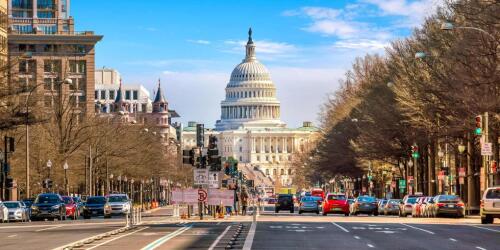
120,203
490,205
17,211
4,213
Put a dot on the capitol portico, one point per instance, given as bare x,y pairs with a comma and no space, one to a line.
250,129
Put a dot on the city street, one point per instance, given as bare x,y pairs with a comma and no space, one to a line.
271,231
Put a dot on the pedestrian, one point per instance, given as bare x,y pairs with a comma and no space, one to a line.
244,202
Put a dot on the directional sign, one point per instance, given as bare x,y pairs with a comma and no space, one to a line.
214,180
402,183
200,176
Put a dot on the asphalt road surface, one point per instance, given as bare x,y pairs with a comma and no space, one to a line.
270,231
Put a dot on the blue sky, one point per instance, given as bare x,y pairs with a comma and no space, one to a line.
194,45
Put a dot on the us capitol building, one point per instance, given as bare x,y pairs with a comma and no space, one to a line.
250,129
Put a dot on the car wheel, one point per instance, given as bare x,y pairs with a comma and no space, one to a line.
291,211
317,211
86,217
276,210
346,214
324,214
300,211
375,213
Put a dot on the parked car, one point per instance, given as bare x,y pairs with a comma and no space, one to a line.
71,208
448,205
308,204
96,205
120,203
381,205
365,205
426,207
392,207
285,202
48,206
4,213
415,211
272,201
406,205
79,204
17,211
336,204
490,205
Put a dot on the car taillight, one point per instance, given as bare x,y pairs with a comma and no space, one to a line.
460,204
481,204
389,206
440,204
409,205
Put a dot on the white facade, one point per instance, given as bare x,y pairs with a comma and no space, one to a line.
250,129
106,90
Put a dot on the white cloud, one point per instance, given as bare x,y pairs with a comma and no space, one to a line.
416,11
325,21
332,28
361,44
203,42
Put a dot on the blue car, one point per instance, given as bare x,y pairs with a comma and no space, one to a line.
309,204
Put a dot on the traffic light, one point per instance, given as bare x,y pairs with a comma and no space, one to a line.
9,182
203,160
414,151
479,125
188,156
200,135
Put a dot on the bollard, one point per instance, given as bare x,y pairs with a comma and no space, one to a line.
254,214
127,222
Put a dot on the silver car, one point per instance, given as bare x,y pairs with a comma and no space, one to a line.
17,211
4,213
120,203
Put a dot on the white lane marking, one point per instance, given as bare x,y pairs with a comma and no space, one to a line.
250,236
356,237
49,228
62,224
113,239
453,239
423,230
160,241
341,227
218,238
12,236
480,248
218,223
485,228
370,245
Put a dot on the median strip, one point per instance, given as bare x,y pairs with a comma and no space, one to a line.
162,240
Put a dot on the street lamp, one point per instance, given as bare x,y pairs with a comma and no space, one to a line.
49,166
448,26
420,55
66,166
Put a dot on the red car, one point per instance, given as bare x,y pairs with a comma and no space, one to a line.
336,204
71,208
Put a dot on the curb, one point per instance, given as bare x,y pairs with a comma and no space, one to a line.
89,240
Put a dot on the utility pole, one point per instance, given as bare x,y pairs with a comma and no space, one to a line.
90,171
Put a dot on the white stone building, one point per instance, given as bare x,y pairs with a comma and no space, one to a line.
250,129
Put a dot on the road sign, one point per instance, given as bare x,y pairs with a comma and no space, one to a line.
214,180
200,176
393,184
216,196
202,195
486,149
185,196
461,180
402,183
494,167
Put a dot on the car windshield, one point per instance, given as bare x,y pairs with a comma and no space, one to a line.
47,199
117,199
449,198
394,201
336,197
12,204
366,199
96,200
493,194
308,199
67,200
411,200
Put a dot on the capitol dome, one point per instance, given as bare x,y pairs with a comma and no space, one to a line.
250,96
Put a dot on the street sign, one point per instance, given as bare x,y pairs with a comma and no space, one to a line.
185,196
494,167
402,183
486,149
393,184
214,180
200,176
461,172
202,195
216,196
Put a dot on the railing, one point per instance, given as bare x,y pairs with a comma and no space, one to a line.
33,32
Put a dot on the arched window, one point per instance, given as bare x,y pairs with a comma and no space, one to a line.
267,171
274,172
282,172
289,171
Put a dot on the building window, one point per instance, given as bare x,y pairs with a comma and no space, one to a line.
282,172
26,48
50,48
27,66
103,94
289,171
241,149
82,83
78,66
96,94
267,158
289,158
47,29
274,171
258,158
136,95
127,95
111,94
241,158
52,66
267,171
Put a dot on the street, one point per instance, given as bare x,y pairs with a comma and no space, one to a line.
270,231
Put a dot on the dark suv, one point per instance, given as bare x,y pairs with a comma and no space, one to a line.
48,206
285,202
96,205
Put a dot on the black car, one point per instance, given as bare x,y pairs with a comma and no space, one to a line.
365,205
48,206
285,202
95,206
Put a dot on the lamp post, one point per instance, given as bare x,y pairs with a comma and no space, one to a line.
441,182
66,166
461,150
49,166
111,184
410,164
